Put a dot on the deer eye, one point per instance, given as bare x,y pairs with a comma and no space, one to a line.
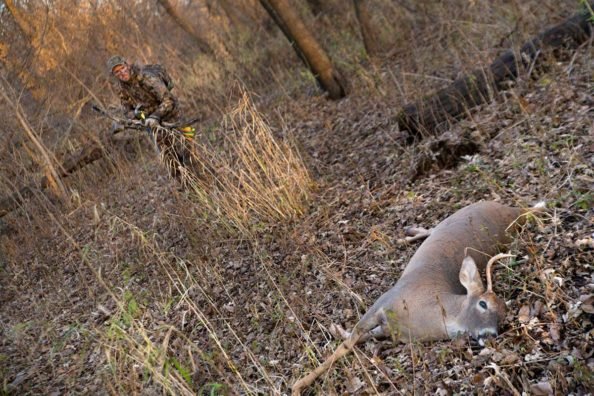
483,304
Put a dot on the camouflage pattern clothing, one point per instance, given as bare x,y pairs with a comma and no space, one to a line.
147,90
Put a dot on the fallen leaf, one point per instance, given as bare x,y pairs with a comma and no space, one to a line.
355,384
479,378
587,303
555,331
585,243
541,389
537,308
524,314
509,358
497,357
486,351
441,392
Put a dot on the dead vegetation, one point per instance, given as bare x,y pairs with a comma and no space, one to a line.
131,285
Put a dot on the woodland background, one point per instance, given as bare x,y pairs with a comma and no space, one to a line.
115,280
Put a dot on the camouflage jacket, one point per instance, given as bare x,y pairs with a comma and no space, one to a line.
150,92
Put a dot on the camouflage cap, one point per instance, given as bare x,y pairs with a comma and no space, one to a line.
115,61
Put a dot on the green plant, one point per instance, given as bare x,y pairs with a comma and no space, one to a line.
588,7
583,201
212,389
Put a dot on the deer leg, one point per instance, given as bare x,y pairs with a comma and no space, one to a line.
365,325
414,234
339,332
378,333
342,350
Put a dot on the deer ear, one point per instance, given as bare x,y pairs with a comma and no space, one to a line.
470,277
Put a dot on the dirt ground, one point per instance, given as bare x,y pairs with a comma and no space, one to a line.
250,316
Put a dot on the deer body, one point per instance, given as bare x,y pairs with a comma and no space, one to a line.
430,285
440,293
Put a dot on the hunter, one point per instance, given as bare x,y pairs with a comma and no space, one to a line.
145,94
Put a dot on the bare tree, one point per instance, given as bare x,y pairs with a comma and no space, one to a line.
21,38
306,46
42,155
370,37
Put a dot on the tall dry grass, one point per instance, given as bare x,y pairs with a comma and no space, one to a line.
252,179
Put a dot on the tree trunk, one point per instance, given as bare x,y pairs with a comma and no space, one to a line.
473,89
370,37
306,46
182,23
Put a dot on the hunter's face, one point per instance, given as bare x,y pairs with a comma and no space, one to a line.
122,72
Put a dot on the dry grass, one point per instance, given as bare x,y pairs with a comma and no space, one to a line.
253,180
139,357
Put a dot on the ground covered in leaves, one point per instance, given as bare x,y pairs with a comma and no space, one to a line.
125,290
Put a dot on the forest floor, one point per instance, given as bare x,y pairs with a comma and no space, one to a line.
125,291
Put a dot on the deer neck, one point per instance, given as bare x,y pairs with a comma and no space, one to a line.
453,306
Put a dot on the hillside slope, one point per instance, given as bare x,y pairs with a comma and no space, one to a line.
127,290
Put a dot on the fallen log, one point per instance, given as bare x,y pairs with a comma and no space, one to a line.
71,164
422,118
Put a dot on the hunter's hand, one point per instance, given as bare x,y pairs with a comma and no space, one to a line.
151,122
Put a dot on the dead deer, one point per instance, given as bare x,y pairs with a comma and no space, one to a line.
440,293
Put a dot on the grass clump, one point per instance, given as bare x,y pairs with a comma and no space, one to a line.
252,178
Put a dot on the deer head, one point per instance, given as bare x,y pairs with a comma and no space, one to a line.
481,310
